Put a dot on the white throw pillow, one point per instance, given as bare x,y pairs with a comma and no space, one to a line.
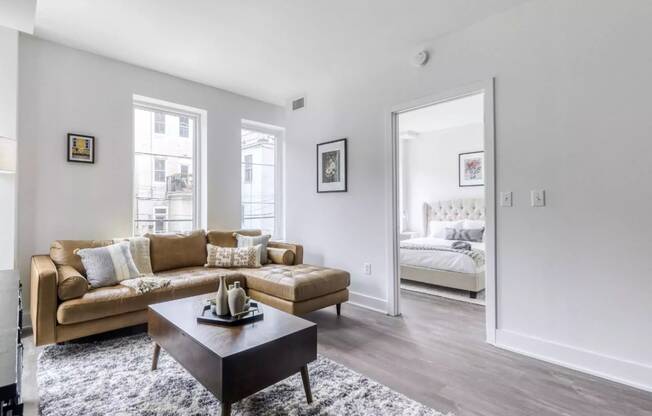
473,224
437,229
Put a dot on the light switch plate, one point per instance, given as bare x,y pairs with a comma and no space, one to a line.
505,199
366,268
538,198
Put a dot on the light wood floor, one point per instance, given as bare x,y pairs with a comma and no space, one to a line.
436,354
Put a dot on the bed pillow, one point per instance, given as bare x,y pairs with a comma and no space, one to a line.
107,266
249,241
437,229
473,224
228,257
474,235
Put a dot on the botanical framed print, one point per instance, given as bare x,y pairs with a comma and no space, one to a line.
471,169
81,148
331,166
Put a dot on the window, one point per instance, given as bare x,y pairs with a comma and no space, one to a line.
159,170
183,126
165,197
159,123
248,169
160,219
261,180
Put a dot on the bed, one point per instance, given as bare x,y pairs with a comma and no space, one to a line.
430,257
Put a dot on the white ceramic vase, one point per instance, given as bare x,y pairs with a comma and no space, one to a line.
222,299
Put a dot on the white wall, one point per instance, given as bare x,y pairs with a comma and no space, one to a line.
8,105
430,168
572,99
62,91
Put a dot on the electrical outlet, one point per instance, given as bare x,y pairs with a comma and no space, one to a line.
538,198
366,268
505,199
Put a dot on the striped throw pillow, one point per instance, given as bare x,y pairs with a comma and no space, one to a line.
109,265
249,241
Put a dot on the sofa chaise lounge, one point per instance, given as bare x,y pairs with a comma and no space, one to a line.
63,307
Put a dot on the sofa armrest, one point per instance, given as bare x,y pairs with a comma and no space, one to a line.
43,300
297,249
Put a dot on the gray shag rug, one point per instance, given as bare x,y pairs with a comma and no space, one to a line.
113,377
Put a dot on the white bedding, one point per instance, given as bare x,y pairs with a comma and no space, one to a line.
440,260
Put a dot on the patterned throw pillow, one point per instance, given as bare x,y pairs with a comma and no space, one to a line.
464,235
233,256
249,241
107,266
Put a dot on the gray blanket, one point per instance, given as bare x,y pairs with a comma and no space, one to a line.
476,255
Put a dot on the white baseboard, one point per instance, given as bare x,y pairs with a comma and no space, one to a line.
368,302
630,373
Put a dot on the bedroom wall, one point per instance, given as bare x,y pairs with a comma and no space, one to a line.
572,117
430,166
64,90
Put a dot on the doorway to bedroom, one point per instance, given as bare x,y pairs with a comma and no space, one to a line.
443,189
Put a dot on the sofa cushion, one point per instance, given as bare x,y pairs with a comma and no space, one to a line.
296,283
62,252
174,251
226,238
70,283
116,300
282,256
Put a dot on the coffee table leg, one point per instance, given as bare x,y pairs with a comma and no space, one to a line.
226,409
157,351
306,383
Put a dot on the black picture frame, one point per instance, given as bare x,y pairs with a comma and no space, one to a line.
459,168
70,158
344,164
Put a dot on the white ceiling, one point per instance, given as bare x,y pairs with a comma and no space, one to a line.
446,115
272,50
18,14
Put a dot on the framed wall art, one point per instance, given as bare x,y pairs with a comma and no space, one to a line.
471,169
332,166
81,148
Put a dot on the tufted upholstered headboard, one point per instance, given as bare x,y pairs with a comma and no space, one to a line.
452,210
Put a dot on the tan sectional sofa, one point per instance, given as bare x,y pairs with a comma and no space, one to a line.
64,308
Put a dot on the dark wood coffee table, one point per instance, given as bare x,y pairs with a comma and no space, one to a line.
233,362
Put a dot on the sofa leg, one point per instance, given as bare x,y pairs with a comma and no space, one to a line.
339,309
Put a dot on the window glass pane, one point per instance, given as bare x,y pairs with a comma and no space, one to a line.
183,126
163,179
258,181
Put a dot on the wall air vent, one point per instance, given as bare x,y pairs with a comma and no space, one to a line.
298,104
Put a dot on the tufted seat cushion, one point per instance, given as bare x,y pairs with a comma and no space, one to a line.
114,300
296,283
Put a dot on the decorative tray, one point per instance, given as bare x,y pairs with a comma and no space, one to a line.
255,313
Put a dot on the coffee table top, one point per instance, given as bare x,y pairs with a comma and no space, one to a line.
222,340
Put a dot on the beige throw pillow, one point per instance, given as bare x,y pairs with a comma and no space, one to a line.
139,248
228,257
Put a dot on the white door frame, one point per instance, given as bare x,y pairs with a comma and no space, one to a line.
486,87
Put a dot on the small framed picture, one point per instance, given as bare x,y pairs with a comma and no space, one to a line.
81,148
331,166
471,169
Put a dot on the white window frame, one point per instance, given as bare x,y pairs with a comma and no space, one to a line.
165,220
157,123
154,170
198,149
279,173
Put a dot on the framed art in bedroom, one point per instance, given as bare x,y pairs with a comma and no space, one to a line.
471,169
332,166
81,148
